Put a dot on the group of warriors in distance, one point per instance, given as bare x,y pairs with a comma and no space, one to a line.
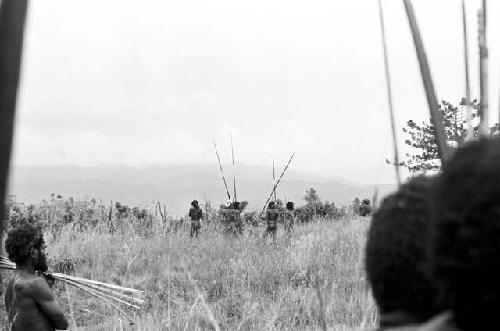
233,223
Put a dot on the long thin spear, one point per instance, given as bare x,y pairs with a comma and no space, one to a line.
234,176
436,117
389,95
483,71
221,171
12,22
274,181
468,111
277,183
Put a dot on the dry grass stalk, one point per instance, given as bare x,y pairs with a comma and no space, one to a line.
201,297
71,314
322,319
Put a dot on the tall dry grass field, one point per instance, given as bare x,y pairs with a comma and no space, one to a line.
245,283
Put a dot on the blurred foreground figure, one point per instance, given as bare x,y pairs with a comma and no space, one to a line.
396,257
30,304
196,215
465,254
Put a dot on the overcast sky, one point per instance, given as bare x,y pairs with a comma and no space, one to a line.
138,82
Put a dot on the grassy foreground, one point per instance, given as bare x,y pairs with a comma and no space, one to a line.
246,283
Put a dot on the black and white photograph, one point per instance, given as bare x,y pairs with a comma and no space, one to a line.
249,165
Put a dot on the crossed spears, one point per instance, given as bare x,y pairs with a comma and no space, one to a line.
234,178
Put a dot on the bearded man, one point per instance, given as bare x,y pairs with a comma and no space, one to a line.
29,300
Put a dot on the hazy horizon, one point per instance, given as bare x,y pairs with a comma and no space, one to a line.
145,83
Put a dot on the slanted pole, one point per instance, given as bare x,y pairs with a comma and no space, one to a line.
274,181
432,101
221,171
389,96
483,71
277,183
468,111
12,24
234,173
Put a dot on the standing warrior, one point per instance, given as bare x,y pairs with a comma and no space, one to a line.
271,220
196,215
232,218
29,300
289,218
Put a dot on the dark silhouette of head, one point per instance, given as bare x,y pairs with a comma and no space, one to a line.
396,255
289,205
465,239
194,203
236,205
25,244
271,205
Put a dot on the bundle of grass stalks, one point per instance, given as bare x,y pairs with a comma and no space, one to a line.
111,294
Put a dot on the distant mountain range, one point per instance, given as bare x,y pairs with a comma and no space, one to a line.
178,185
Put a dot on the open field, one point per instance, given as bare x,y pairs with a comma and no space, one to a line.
246,283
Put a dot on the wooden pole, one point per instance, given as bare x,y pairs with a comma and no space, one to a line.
389,95
277,183
234,173
468,111
221,171
12,23
432,101
274,182
483,72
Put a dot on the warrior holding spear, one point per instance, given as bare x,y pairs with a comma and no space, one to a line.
272,214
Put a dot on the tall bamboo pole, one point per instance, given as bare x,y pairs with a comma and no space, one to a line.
389,95
483,71
277,183
432,101
274,181
468,110
234,173
12,23
221,171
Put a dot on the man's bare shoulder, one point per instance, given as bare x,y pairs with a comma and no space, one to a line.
33,286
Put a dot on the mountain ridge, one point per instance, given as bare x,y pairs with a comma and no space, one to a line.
177,185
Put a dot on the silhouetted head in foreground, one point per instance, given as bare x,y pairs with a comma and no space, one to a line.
466,234
289,205
194,203
25,246
271,205
396,255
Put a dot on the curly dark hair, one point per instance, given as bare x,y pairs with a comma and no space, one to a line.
21,240
289,205
465,237
396,255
